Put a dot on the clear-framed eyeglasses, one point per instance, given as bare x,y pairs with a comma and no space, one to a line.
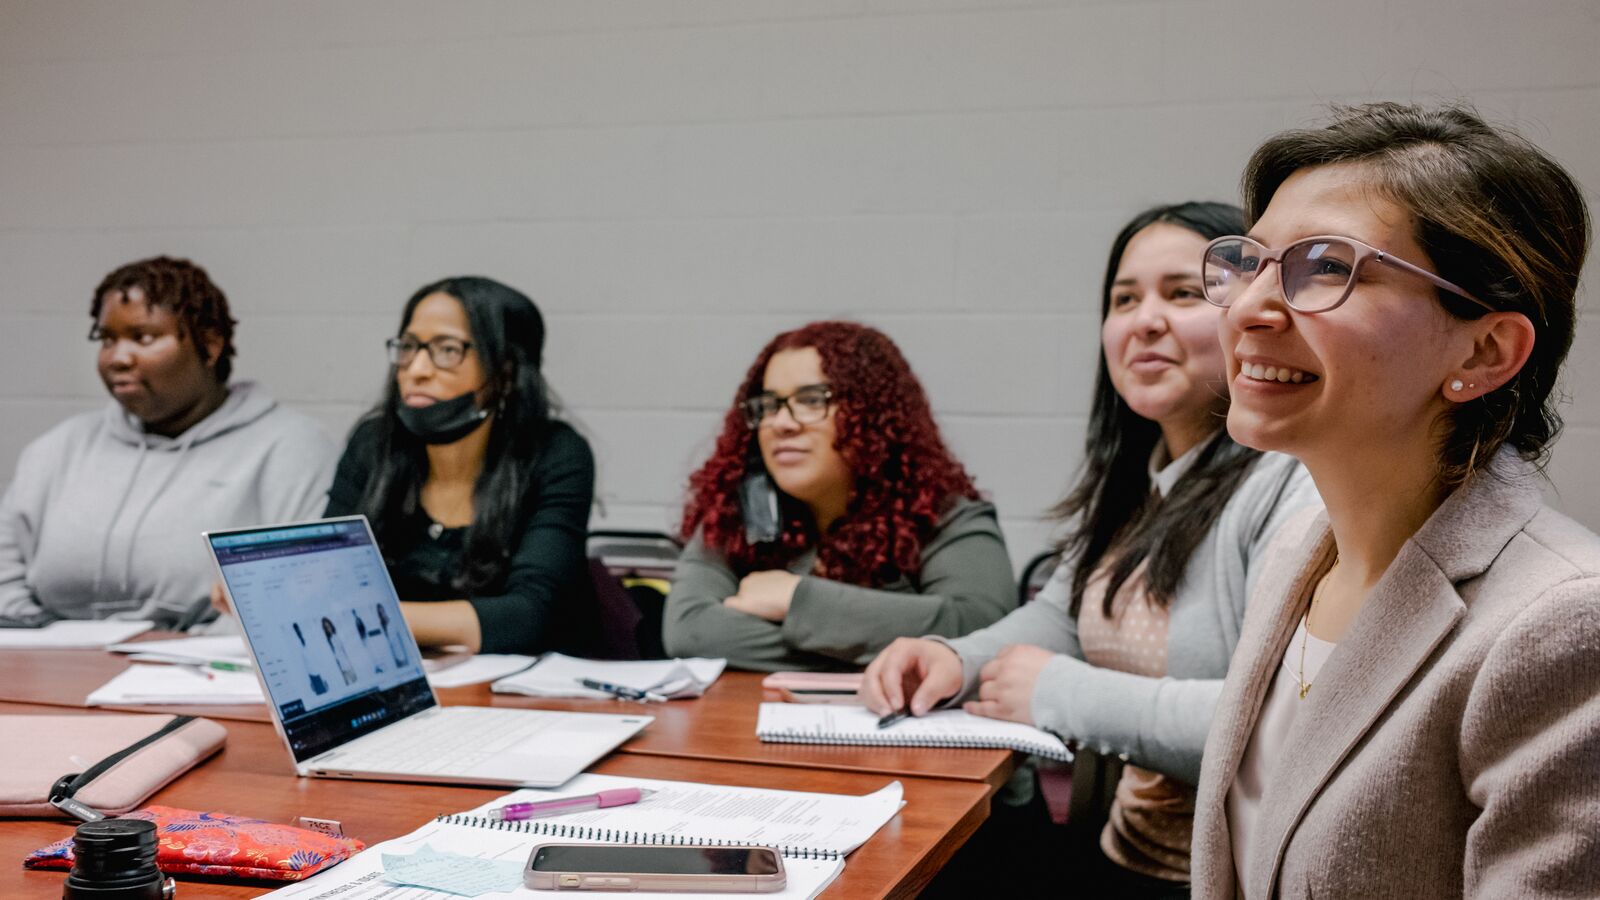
807,405
1316,273
445,352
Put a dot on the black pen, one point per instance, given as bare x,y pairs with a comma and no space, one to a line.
893,717
621,691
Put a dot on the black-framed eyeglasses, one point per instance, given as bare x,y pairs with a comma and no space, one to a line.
445,352
1316,273
807,405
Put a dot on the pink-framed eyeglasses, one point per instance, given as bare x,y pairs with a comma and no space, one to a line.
1317,273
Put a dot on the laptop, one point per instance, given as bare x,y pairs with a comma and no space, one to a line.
344,679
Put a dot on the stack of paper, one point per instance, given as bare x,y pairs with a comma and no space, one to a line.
71,634
177,686
557,676
478,668
228,649
228,652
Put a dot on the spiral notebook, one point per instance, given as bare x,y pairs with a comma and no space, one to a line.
798,824
813,831
796,723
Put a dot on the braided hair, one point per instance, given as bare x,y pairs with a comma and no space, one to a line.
184,288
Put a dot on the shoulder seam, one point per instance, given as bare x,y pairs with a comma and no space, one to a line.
1576,570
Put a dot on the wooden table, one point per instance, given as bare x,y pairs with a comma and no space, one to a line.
252,776
720,726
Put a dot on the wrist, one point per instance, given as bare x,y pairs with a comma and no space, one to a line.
1050,703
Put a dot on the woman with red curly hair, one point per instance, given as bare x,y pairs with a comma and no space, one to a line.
831,518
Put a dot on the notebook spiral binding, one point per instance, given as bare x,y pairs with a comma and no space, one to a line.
887,740
548,828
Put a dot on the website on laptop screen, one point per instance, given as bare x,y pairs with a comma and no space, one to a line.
322,618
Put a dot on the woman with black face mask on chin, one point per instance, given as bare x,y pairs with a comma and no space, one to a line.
479,499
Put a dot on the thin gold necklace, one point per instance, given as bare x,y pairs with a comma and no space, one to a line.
1305,634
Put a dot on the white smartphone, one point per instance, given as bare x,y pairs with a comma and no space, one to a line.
645,867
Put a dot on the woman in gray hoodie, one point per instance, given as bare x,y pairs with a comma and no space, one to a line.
104,514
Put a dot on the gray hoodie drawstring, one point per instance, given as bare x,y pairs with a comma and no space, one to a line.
105,543
127,563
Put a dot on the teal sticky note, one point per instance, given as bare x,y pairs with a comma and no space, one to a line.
452,873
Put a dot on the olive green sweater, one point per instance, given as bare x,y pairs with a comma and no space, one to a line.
965,583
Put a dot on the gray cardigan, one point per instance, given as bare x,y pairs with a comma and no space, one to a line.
1451,747
1156,723
964,584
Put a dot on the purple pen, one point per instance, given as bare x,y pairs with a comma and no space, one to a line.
516,812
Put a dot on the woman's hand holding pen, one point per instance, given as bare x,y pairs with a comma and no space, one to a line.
914,671
1005,684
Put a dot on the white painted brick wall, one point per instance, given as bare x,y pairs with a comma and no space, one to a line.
676,181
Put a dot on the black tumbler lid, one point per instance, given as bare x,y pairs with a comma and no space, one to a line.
114,858
116,830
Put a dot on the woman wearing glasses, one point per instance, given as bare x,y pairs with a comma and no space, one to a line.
479,498
1414,708
831,519
1125,649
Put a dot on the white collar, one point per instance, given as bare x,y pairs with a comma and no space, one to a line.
1165,471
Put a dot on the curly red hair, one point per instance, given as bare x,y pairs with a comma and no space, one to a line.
905,477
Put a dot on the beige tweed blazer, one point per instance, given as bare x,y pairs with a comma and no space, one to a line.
1451,744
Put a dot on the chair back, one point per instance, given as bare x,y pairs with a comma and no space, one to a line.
1035,575
632,572
636,554
619,616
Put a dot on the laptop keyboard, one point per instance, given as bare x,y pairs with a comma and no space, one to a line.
455,742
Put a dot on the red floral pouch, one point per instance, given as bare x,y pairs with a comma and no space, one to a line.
198,843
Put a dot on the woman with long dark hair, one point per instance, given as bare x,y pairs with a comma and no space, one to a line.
1414,710
831,518
479,497
1125,649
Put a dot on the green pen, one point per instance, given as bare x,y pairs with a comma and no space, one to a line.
225,666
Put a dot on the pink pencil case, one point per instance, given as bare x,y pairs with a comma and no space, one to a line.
88,765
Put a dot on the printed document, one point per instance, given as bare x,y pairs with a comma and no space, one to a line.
557,676
478,668
142,685
72,634
835,823
227,648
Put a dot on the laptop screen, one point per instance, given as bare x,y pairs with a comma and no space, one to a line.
323,622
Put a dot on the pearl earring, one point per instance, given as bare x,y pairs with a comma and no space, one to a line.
1456,385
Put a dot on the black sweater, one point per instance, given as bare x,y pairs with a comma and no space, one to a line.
545,602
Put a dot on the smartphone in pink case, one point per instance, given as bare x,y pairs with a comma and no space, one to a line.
647,867
811,687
